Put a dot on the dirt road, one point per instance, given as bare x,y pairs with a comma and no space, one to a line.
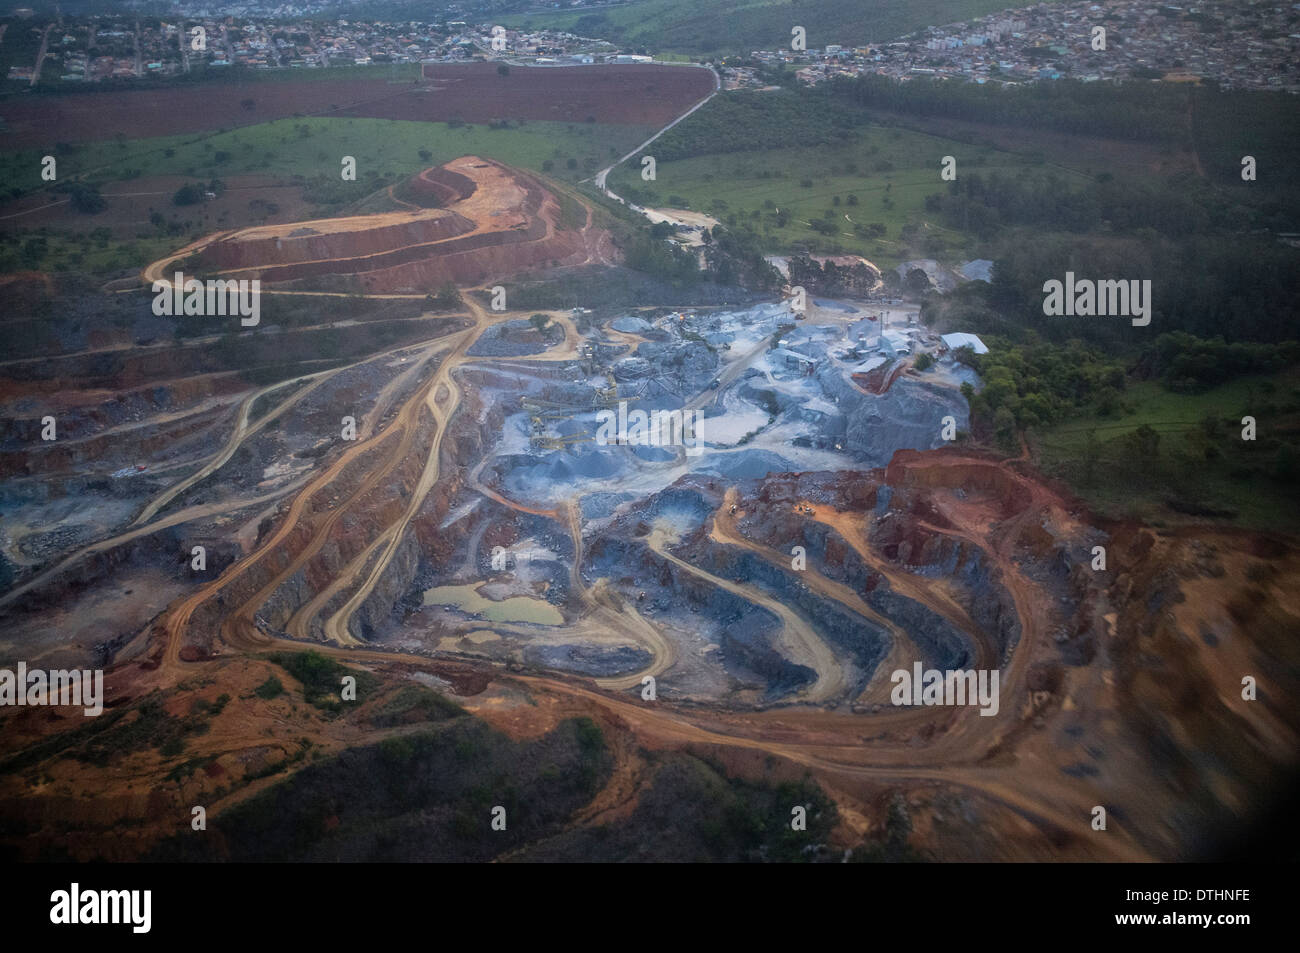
856,752
801,643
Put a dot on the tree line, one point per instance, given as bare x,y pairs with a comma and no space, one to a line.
1148,112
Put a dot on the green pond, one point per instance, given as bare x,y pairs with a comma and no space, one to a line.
515,609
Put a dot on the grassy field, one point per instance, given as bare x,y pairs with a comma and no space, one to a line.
739,26
1234,480
889,171
315,147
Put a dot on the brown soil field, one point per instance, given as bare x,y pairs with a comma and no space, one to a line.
473,92
637,95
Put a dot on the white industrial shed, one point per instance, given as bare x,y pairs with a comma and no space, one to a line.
962,339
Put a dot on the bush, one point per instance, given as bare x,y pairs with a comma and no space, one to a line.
86,199
188,194
322,677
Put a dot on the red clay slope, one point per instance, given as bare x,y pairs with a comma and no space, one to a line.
497,222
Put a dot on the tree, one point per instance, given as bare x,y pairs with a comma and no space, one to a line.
918,282
448,297
1091,453
188,194
898,831
923,361
86,199
1143,445
539,321
1004,426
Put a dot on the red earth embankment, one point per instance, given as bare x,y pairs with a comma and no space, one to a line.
440,187
499,222
329,240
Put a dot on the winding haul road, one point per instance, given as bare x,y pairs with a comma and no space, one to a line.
832,742
957,754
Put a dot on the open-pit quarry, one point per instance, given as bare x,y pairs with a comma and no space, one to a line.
476,501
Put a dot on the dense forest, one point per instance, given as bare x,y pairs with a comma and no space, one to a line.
834,112
1173,206
1244,288
1135,111
751,121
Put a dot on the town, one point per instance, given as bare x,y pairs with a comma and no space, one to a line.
1238,45
1215,40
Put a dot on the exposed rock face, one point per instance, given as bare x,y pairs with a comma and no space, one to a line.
909,414
835,276
470,221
